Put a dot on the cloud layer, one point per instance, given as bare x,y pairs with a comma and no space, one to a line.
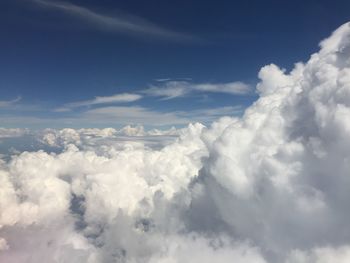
272,186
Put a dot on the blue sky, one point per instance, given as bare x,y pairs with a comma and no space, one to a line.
157,63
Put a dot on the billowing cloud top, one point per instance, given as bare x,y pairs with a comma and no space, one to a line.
272,186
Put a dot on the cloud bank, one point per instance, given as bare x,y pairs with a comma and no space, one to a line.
272,186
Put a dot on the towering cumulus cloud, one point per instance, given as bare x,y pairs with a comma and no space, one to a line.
272,186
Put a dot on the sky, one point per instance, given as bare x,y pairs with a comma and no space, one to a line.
110,63
174,132
270,186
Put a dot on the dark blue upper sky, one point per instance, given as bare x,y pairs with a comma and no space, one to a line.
54,54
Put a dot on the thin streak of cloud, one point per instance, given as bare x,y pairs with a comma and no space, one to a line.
235,88
117,98
8,103
175,89
127,24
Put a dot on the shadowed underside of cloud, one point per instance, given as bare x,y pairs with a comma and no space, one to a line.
271,186
126,23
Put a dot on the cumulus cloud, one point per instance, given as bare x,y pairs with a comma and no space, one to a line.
270,186
98,139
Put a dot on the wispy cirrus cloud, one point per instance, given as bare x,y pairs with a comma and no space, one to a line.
117,98
166,90
9,103
121,23
173,88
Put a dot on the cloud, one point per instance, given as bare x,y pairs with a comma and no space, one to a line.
321,255
234,88
9,103
126,23
117,98
174,89
207,116
270,186
170,90
93,138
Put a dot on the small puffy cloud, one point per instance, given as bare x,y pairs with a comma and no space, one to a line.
98,139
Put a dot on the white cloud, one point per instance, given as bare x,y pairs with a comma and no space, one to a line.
8,103
321,255
127,24
173,88
270,186
99,139
170,90
235,88
117,98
